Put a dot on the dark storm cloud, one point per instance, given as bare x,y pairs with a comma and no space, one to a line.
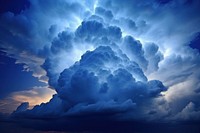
109,73
105,88
102,58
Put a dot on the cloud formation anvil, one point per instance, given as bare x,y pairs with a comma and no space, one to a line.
100,65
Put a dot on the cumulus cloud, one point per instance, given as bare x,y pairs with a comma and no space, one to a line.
134,51
153,56
62,42
101,82
106,14
125,61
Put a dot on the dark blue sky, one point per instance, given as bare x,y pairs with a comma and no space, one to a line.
15,6
195,42
112,65
13,78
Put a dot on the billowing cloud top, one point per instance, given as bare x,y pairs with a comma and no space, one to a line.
109,60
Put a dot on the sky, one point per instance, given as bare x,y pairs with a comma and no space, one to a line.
99,66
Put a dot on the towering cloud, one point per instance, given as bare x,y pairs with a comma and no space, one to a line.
104,79
108,61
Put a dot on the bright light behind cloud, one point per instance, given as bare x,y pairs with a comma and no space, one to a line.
35,96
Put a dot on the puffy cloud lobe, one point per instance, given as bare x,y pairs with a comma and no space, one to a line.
49,66
90,28
105,59
153,55
82,82
96,18
62,42
127,25
99,58
134,51
107,14
91,31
